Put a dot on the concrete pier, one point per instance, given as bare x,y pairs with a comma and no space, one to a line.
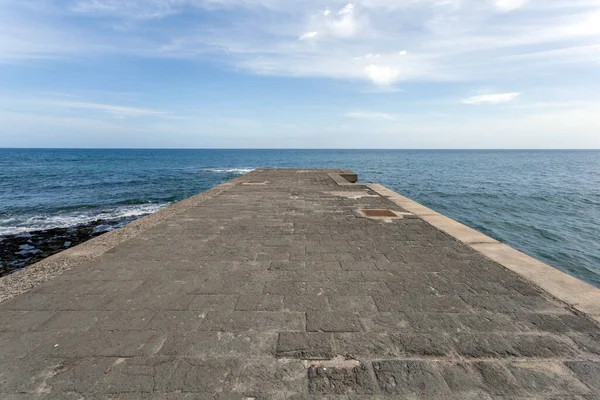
297,284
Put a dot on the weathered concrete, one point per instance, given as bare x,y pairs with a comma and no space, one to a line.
283,289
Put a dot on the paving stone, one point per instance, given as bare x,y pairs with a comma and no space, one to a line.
259,303
65,321
330,321
17,344
283,288
346,288
546,377
192,375
54,302
430,284
207,344
360,345
241,282
358,266
508,304
422,345
409,377
579,323
323,265
124,320
332,380
462,377
206,303
286,265
177,321
433,322
262,376
85,287
109,375
420,302
305,303
28,375
99,344
587,371
228,376
543,346
484,346
490,322
17,321
265,321
310,396
158,296
521,286
318,276
491,288
305,346
589,342
352,304
497,379
385,322
543,322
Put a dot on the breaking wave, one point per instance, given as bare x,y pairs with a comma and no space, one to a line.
25,224
239,171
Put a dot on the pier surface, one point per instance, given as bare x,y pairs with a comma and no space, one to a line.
283,285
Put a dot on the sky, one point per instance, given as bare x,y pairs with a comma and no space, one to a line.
300,73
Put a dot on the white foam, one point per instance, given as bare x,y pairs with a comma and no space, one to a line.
12,226
240,171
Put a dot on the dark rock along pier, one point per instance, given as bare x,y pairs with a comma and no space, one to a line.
297,284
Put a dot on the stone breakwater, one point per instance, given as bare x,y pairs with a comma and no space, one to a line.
20,250
297,284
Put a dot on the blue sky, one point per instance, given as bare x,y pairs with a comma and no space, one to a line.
300,73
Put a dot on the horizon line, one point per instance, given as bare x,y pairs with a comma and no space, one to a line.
299,148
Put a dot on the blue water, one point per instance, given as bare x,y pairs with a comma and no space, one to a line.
544,203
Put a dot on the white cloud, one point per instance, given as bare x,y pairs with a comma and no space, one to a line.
509,5
368,57
450,40
147,9
114,110
309,35
497,98
348,9
370,115
382,75
346,26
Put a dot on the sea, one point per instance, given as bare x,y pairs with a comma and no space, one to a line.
544,203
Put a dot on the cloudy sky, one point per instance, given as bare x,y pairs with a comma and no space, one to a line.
300,73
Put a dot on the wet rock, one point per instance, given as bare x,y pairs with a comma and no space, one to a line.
20,250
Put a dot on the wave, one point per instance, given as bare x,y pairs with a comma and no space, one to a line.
239,171
23,224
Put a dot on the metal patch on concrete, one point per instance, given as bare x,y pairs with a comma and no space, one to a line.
379,213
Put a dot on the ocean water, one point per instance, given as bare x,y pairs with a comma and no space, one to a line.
544,203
